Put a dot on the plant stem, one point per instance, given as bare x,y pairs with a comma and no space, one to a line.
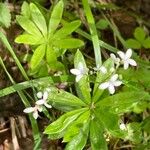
36,133
93,31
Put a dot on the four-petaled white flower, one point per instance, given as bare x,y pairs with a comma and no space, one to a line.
125,58
111,84
33,110
43,99
101,69
80,71
115,59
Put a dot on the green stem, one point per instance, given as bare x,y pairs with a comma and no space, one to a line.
93,31
36,133
6,43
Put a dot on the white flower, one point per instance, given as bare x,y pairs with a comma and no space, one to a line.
43,99
101,69
111,84
115,59
125,58
33,110
122,126
80,71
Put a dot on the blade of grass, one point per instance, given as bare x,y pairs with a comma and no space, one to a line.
34,83
93,32
115,30
36,133
6,43
101,43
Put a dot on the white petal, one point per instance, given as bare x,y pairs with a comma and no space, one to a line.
47,105
78,77
132,62
104,85
114,77
40,102
113,57
80,66
111,89
122,126
45,95
29,110
103,69
129,53
75,71
121,54
35,114
39,95
126,65
117,83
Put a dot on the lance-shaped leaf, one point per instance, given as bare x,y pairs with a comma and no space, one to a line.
67,29
57,128
29,39
56,16
61,98
25,10
68,43
28,26
102,77
79,141
38,19
75,128
5,16
37,56
110,122
82,85
123,102
97,139
50,55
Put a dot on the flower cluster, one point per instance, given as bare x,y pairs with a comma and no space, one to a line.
38,105
125,59
112,82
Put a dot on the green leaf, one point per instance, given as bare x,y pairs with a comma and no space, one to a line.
134,132
62,98
5,16
29,39
79,141
25,10
77,125
57,128
101,77
68,43
123,102
67,29
83,85
97,139
146,43
102,24
28,26
56,16
37,56
50,55
110,121
132,43
38,19
139,34
146,124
